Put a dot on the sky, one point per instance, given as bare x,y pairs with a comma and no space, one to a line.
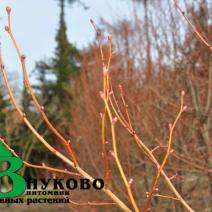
34,24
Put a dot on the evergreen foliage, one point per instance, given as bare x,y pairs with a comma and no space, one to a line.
63,67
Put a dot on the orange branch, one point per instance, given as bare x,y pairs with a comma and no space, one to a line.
170,140
40,108
106,93
92,203
49,147
44,167
194,29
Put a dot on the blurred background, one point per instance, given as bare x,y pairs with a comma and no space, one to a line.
155,56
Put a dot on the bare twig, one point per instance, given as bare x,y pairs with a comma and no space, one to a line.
106,93
149,155
44,167
171,128
66,143
198,34
49,147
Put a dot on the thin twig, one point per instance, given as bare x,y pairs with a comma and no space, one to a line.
194,29
44,167
40,108
170,140
106,93
49,147
152,158
166,197
91,203
127,184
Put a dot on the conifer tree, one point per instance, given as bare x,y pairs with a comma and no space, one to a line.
65,61
64,67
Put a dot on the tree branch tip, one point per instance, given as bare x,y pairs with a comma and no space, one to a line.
182,93
173,177
115,119
2,66
170,125
111,153
120,87
102,95
23,57
130,181
91,21
68,142
8,9
101,115
156,189
184,108
171,151
7,29
109,38
98,33
156,148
